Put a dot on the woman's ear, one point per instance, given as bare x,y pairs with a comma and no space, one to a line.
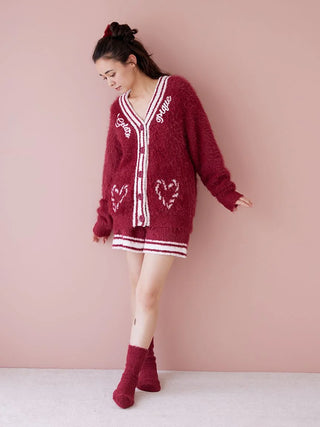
132,59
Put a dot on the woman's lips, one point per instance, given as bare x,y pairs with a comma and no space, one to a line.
118,88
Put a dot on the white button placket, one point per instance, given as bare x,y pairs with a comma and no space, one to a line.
141,214
142,188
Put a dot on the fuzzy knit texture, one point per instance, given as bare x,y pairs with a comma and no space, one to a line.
123,395
148,379
150,168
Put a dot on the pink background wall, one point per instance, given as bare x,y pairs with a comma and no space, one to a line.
247,296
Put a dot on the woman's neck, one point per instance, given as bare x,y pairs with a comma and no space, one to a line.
143,87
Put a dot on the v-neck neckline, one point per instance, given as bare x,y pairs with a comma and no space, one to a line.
149,104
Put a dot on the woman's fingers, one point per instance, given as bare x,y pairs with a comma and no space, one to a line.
244,202
96,238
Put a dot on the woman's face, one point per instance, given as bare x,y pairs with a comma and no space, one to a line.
119,76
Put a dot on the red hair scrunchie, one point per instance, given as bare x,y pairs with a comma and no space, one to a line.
107,31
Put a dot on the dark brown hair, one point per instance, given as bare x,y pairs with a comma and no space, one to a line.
120,44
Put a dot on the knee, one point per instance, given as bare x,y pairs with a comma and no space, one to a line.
147,298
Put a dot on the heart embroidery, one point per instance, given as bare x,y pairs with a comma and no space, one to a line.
167,194
117,196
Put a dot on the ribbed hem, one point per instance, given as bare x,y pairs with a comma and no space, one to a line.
162,247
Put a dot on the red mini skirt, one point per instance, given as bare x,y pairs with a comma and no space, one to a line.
164,241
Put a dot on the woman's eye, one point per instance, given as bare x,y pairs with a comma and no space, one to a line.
105,78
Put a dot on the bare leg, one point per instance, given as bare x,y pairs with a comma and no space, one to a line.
154,271
151,271
148,376
134,260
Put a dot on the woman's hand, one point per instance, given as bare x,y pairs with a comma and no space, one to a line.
244,202
96,238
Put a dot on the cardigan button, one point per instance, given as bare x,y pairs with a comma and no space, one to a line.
140,196
140,174
141,218
142,150
141,127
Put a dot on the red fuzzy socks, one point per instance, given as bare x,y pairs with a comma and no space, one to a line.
148,376
123,395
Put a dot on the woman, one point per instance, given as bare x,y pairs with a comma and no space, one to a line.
159,137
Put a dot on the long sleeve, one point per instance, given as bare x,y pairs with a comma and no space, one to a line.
103,226
204,151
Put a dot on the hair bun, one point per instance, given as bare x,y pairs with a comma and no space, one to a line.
121,32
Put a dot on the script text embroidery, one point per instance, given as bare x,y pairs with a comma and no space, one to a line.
120,122
164,108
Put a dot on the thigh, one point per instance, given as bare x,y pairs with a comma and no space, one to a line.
154,271
134,261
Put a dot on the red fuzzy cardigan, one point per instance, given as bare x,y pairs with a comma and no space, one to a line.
149,175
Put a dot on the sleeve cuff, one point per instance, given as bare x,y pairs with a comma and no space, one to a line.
228,199
101,228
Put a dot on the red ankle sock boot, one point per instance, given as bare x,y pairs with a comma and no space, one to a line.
148,376
123,395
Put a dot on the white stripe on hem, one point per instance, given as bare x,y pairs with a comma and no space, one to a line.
153,246
149,251
139,239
